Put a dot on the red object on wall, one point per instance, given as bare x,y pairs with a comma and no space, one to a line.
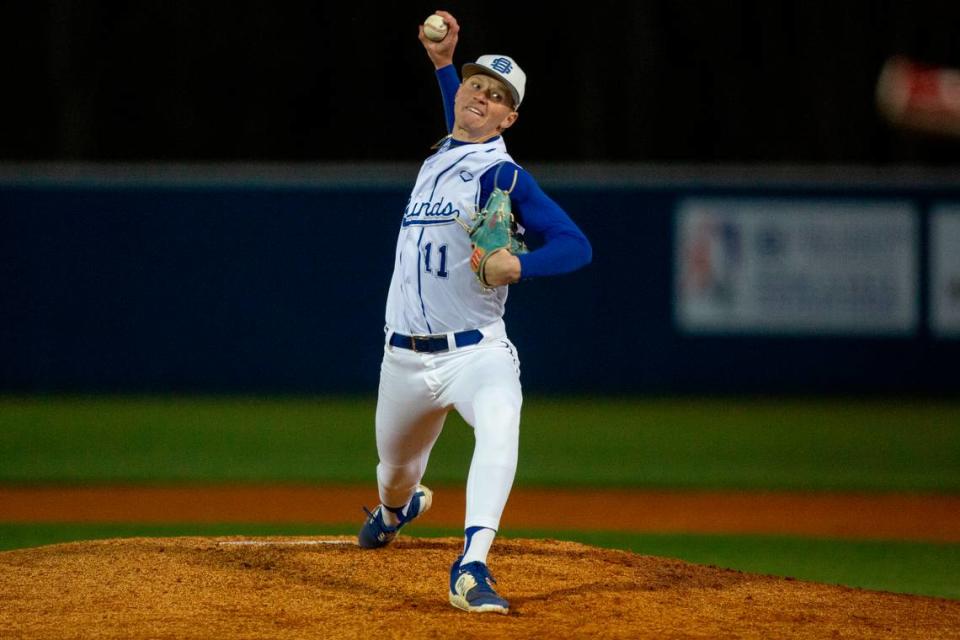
918,96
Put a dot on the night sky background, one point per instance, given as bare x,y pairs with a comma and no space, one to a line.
665,81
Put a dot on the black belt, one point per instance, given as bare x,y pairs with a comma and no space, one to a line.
431,344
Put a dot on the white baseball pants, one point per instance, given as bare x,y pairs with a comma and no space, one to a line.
417,390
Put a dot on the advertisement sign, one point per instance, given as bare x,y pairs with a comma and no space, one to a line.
808,267
945,271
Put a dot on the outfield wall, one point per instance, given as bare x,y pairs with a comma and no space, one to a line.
271,279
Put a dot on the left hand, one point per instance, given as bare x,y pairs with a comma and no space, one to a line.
501,268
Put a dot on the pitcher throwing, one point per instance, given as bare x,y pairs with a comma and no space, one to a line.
446,343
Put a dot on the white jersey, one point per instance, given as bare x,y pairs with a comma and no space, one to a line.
433,289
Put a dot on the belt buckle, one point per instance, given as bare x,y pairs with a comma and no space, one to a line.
413,343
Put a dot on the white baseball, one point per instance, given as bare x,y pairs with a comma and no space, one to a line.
435,28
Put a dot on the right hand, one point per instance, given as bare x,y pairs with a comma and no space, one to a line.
501,267
441,53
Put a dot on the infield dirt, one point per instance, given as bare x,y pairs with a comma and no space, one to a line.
934,518
327,587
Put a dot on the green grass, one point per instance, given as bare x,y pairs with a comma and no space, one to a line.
793,444
902,567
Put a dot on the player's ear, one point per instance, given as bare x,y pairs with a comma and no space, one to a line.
508,121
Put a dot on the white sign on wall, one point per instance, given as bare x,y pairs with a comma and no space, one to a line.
945,271
796,266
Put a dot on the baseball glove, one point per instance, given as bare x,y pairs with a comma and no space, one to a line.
494,229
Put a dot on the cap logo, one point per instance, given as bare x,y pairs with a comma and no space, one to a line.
501,65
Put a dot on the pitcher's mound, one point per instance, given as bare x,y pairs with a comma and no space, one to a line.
329,588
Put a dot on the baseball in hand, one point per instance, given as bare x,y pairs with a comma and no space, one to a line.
435,28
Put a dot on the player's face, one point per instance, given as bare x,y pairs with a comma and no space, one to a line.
483,107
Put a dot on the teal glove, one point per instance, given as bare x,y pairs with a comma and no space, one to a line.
494,230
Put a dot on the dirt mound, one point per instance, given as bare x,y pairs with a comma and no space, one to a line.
328,588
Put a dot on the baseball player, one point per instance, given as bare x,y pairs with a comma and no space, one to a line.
446,344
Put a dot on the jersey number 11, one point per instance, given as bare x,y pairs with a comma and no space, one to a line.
428,252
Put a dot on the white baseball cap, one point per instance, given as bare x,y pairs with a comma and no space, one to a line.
503,68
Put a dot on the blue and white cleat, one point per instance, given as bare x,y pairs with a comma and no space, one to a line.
471,589
375,533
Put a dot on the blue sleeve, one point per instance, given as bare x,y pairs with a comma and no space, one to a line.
565,248
449,83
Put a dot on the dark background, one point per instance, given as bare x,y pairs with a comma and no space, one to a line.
657,81
182,275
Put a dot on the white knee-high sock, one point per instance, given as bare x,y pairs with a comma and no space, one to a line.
494,463
477,543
